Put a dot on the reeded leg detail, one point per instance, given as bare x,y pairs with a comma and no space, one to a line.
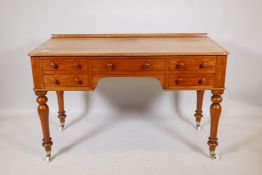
198,113
43,112
61,111
215,111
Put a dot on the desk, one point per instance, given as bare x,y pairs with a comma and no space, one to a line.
76,62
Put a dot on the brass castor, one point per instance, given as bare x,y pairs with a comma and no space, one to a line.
48,156
198,127
214,156
62,126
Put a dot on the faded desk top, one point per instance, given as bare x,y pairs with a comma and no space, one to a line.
129,45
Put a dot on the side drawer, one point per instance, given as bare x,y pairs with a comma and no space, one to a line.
65,64
181,80
66,81
194,64
108,64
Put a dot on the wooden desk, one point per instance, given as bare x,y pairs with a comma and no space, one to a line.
70,62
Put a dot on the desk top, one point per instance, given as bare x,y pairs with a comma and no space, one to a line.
129,45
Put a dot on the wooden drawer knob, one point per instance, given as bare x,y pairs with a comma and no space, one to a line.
203,65
55,81
77,81
146,65
180,66
179,80
202,81
53,65
77,66
110,66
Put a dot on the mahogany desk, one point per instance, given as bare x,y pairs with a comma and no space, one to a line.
76,62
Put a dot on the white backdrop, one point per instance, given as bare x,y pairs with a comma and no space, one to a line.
236,24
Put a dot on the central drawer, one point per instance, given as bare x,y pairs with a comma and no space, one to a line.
108,64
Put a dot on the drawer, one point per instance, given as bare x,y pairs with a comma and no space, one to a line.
205,64
128,65
175,80
66,80
65,64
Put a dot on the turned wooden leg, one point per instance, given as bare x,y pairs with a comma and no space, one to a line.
61,111
43,115
198,113
215,111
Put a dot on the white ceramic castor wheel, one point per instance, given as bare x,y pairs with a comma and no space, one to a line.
198,127
214,156
61,127
48,156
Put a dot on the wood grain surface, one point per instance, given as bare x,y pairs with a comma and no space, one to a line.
129,45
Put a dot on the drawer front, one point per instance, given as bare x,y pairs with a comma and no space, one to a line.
64,64
66,81
128,65
179,80
193,64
